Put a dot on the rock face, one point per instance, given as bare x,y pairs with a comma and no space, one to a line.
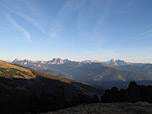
108,108
118,62
113,62
91,61
56,61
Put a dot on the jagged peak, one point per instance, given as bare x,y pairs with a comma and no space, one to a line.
17,59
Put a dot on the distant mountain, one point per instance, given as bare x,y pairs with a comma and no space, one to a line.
58,61
112,62
88,71
91,61
118,62
53,61
25,90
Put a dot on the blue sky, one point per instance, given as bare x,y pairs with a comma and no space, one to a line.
76,29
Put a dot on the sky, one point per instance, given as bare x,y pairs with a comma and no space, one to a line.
76,29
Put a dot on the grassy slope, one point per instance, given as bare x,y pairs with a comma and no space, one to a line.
15,71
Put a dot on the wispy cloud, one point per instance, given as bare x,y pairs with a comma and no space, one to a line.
55,27
20,28
98,11
58,27
29,13
74,4
37,16
91,19
78,6
106,11
142,35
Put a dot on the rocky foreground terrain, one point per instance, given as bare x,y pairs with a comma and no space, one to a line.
108,108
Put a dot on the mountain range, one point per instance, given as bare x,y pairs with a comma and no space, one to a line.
112,62
92,71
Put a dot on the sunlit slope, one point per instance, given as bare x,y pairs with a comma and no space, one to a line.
15,71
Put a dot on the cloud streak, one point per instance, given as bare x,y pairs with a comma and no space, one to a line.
142,35
58,26
78,6
30,13
53,27
20,28
30,19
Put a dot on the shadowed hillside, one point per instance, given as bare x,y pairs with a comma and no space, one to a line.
26,90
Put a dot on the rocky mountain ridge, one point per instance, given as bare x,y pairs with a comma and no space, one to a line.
111,62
